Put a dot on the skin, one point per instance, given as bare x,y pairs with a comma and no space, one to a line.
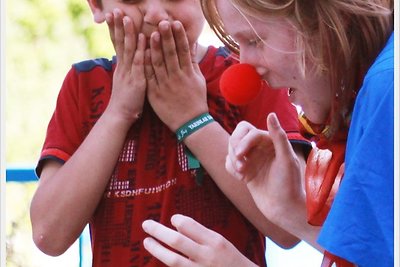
263,160
193,240
203,247
275,59
155,43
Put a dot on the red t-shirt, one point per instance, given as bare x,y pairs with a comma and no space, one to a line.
151,178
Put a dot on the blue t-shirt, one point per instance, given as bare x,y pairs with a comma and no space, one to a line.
360,225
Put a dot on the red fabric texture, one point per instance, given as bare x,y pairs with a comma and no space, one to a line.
151,179
324,172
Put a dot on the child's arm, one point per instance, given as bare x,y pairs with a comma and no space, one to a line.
68,194
177,93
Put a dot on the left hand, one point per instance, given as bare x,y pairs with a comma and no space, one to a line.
202,246
176,87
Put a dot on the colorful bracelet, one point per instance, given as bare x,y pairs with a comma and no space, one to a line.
193,125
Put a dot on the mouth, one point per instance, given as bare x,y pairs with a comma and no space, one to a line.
290,91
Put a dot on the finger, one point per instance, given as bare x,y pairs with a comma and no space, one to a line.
194,230
157,58
250,138
182,46
238,147
241,160
240,131
195,64
119,34
110,24
279,138
235,161
234,167
130,41
149,71
138,66
168,47
165,255
172,238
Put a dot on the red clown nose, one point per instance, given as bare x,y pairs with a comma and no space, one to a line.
240,84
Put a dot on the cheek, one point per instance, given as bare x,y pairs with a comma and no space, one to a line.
193,30
191,16
251,55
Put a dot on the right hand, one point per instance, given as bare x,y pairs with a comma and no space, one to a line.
129,81
200,245
176,89
266,161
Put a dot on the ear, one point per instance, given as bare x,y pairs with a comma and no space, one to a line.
97,10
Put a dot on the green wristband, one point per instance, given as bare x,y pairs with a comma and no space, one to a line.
193,125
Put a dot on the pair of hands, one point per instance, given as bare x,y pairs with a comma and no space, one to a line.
164,71
267,163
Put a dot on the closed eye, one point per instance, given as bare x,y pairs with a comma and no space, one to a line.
131,1
257,41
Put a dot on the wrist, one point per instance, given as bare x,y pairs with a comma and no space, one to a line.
193,125
119,120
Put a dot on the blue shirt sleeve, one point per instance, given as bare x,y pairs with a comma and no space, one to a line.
360,224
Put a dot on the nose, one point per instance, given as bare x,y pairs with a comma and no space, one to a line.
245,55
250,57
154,12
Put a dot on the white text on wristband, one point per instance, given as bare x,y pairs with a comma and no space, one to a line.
193,125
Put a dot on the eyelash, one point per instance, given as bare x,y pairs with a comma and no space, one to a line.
256,41
130,1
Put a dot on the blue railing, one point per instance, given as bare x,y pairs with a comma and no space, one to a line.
24,175
21,175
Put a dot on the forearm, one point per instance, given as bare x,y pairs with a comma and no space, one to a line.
296,224
67,196
211,152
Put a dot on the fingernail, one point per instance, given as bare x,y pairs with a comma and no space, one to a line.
108,17
273,120
175,219
155,36
145,225
164,25
125,20
239,165
147,242
176,25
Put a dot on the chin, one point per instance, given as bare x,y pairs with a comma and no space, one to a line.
314,117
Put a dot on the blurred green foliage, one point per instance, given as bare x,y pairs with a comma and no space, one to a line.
43,39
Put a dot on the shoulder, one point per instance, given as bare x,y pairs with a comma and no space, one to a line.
383,67
215,61
218,56
89,78
379,79
91,64
222,51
